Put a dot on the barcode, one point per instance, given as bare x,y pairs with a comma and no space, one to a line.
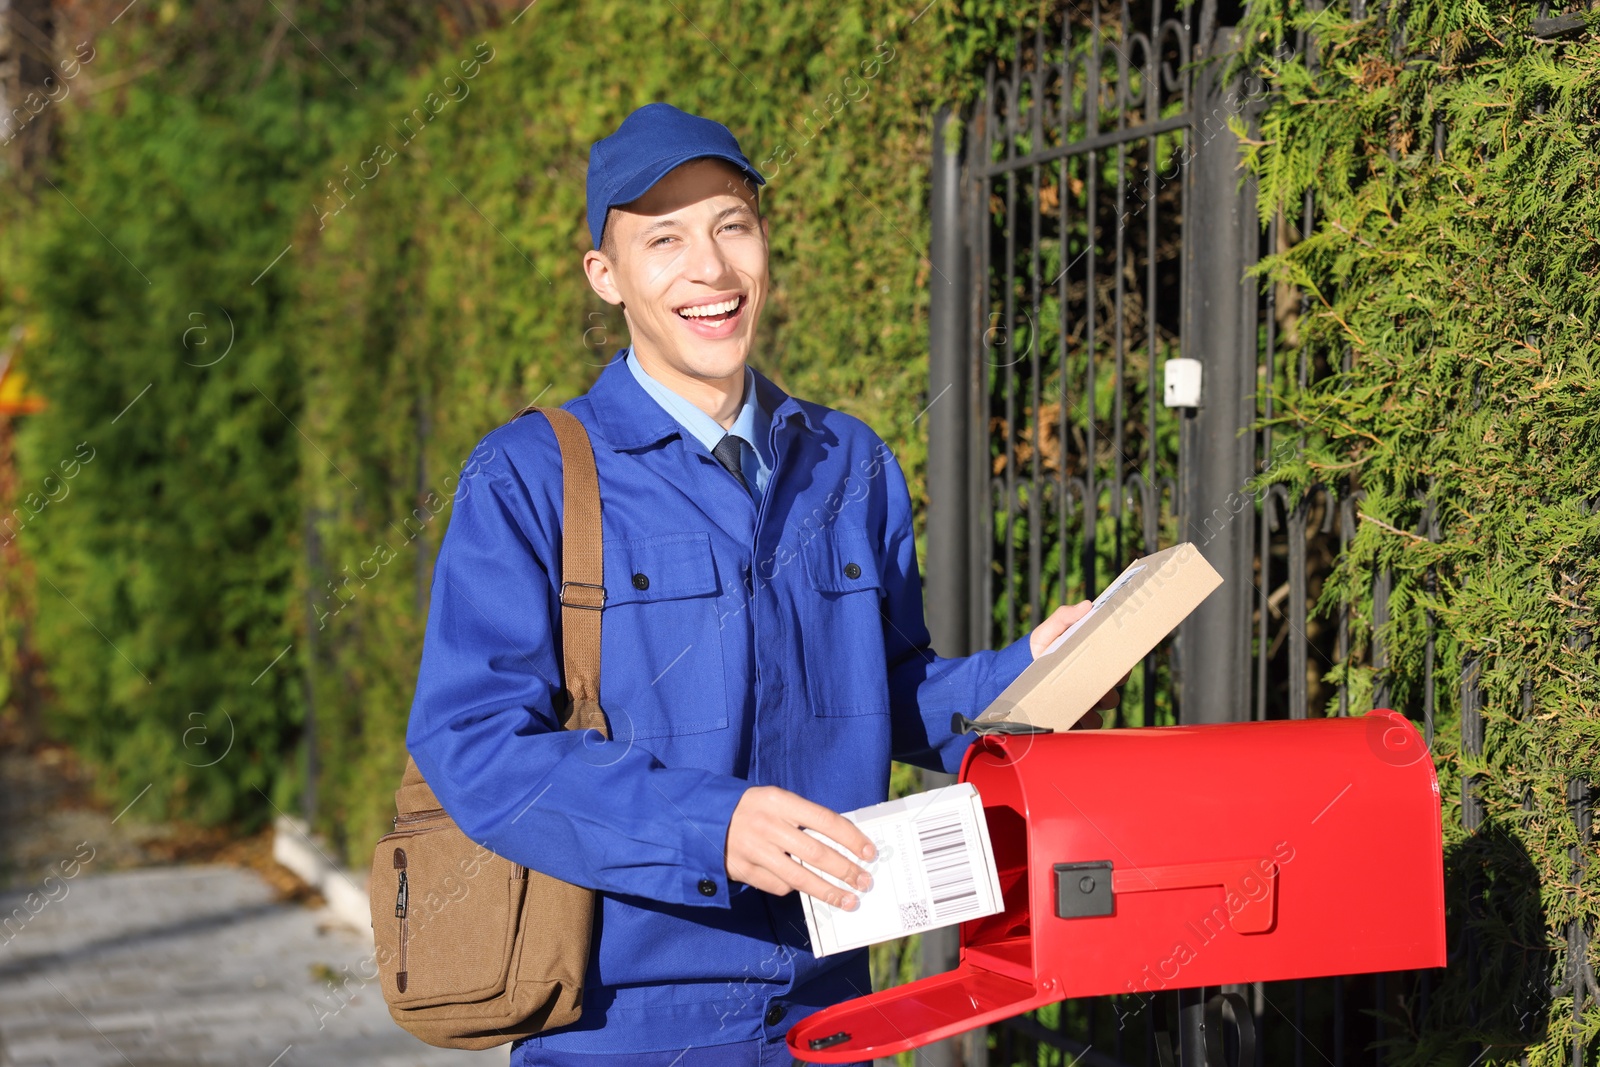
945,857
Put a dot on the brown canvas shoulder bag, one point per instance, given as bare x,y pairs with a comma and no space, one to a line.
474,950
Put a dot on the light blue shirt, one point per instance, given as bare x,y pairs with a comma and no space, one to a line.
752,424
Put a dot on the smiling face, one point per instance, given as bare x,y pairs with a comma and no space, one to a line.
687,261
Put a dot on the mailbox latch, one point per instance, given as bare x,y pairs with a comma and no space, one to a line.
1083,890
960,724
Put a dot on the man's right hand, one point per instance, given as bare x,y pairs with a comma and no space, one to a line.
766,843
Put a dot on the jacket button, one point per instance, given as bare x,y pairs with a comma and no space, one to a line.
707,887
775,1014
852,571
641,581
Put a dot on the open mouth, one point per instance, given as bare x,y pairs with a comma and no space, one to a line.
714,319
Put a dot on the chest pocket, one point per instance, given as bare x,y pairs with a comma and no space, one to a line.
661,666
845,668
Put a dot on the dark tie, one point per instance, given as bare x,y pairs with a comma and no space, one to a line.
728,454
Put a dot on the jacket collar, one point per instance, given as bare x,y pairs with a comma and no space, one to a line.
630,418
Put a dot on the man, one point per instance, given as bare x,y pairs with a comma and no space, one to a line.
763,655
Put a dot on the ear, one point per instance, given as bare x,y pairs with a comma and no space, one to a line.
601,274
765,230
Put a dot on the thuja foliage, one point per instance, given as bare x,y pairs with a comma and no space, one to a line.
276,292
146,287
387,225
443,290
1451,272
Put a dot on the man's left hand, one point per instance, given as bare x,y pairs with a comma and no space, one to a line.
1053,627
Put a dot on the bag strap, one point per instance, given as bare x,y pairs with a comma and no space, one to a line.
583,591
583,595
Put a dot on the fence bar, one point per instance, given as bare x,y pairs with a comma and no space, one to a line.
976,206
949,394
1220,332
948,596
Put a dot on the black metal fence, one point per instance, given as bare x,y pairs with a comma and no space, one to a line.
1089,224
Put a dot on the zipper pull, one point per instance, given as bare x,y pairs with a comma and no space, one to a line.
400,898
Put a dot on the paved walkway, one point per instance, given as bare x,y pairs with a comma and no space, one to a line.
184,966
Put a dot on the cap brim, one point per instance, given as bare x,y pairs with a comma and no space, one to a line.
648,176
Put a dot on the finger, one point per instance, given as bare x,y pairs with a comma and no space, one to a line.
1091,721
1059,620
1054,625
1071,613
1109,700
813,885
764,880
772,870
833,826
824,857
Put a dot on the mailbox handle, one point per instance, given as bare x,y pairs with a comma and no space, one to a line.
1255,916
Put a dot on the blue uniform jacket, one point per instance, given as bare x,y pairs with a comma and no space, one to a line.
740,646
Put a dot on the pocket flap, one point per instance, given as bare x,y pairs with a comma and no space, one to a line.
842,561
663,567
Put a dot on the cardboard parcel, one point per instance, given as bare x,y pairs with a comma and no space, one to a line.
1127,621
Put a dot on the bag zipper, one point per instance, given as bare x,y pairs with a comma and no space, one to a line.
408,817
401,900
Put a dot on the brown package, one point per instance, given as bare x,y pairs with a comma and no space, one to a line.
1146,602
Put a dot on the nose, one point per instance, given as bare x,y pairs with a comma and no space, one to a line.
706,261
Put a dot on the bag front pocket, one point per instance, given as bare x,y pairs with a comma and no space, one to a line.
444,914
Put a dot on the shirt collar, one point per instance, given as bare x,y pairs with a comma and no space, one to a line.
630,416
750,422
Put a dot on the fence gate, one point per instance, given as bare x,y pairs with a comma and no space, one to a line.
1089,225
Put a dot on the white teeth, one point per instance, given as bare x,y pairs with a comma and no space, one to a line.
705,311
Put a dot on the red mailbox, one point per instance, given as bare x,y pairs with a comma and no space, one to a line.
1143,860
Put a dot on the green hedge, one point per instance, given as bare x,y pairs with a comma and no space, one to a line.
291,493
165,568
1462,291
450,291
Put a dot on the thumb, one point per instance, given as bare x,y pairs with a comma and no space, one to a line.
1056,624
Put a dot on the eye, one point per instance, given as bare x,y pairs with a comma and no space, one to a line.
661,240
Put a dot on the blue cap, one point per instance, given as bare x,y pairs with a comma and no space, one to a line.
649,143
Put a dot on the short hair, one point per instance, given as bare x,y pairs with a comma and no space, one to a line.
608,240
